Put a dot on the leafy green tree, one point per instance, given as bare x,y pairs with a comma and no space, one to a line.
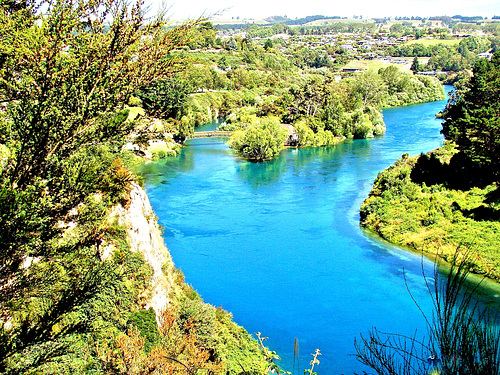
369,88
165,98
262,140
396,28
415,66
231,44
268,44
308,98
472,116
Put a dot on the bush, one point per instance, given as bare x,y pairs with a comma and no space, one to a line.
262,140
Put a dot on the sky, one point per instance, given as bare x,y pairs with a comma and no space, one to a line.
259,9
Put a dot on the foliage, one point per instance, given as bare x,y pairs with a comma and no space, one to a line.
461,339
193,335
321,110
262,140
405,89
415,66
472,117
370,88
313,363
68,69
415,209
164,98
317,137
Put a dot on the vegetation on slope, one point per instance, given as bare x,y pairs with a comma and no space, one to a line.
449,197
65,306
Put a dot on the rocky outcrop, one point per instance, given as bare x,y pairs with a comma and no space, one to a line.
144,236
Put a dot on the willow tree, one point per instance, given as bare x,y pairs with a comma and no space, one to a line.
68,67
262,140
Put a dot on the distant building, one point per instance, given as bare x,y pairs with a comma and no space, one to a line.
486,55
352,70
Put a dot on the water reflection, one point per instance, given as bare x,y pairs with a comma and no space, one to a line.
261,174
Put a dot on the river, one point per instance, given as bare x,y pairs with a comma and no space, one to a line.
279,245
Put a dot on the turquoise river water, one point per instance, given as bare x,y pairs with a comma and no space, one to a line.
279,244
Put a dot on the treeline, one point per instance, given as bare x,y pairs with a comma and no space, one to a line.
338,27
298,21
321,110
444,57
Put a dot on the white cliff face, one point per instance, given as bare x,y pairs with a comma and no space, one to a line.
144,236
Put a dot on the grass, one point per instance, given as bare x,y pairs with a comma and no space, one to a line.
433,219
376,65
434,42
331,21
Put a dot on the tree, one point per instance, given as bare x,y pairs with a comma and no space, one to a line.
472,118
308,98
231,44
415,66
262,140
68,70
268,44
396,28
165,98
370,88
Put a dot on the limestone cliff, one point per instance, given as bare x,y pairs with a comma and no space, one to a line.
144,236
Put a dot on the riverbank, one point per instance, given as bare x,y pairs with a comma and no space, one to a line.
197,328
433,219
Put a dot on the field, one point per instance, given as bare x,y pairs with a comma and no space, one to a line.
336,20
434,42
375,65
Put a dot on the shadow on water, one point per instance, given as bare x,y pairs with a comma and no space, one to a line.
165,170
261,174
306,162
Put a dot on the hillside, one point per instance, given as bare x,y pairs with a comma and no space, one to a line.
87,283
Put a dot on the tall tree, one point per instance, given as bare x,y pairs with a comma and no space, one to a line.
262,140
415,66
369,88
472,117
